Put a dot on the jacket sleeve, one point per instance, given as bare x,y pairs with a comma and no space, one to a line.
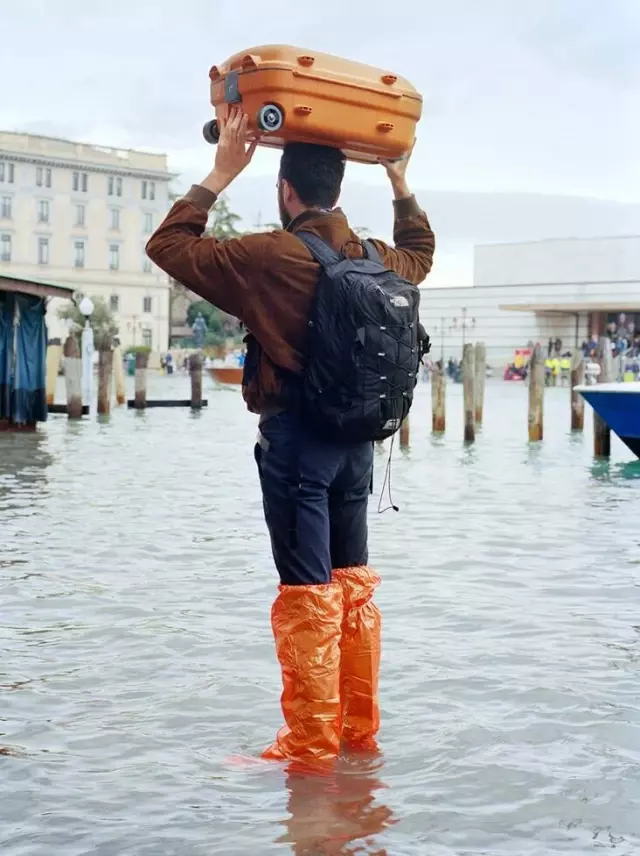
221,272
412,256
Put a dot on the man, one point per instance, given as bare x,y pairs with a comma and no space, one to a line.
315,491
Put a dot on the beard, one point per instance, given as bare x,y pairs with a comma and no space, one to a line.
285,217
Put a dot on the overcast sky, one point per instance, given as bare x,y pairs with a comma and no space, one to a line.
519,96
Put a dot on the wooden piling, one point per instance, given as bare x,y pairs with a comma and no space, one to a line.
118,375
73,377
601,431
468,394
140,397
480,377
577,401
438,400
536,395
105,369
54,357
195,370
404,433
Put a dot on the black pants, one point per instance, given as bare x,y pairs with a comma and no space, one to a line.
315,494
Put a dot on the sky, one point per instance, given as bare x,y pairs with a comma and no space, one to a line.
518,96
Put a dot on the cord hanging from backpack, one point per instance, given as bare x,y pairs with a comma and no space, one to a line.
387,482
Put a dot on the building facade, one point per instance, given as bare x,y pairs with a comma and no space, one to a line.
80,215
533,292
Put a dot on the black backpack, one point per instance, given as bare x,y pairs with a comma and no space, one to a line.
364,348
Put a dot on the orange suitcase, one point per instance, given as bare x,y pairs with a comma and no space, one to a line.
295,95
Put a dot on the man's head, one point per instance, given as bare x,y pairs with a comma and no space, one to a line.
310,177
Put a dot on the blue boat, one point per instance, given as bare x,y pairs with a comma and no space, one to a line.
618,404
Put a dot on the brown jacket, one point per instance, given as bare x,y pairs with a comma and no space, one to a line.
267,279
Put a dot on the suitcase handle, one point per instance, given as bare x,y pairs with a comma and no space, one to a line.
248,62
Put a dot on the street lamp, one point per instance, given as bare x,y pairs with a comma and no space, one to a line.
86,307
465,324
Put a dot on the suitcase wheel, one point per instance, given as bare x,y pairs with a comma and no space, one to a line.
211,132
270,118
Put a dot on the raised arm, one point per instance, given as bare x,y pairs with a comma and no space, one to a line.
412,255
221,272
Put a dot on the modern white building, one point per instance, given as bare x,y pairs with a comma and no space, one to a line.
536,291
79,215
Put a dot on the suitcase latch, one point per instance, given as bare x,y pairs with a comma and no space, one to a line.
232,88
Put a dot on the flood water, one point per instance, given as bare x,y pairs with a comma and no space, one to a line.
137,662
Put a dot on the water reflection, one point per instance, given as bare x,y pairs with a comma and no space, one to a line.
24,460
604,470
336,814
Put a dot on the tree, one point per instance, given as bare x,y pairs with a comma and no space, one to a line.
223,222
105,326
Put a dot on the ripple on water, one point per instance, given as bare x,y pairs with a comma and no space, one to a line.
136,655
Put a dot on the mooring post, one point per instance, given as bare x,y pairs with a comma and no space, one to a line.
536,395
73,377
468,390
195,370
105,367
140,398
601,431
577,401
118,375
481,374
404,433
438,399
54,356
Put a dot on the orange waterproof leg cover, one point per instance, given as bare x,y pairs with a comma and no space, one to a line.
360,662
307,623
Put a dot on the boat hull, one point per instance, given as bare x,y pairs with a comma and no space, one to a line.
617,404
227,375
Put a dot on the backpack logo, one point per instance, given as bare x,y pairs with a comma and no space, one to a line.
400,301
391,425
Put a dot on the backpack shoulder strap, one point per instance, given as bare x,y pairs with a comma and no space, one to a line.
321,251
371,252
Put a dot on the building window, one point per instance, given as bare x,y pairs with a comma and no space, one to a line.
43,211
118,187
80,212
5,248
78,254
110,185
144,189
43,177
152,190
80,181
114,256
146,263
146,304
148,224
43,251
114,302
147,338
115,218
5,208
7,172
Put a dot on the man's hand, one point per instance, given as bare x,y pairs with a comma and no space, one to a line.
232,153
396,170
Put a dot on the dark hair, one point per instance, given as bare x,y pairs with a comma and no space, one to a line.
314,172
